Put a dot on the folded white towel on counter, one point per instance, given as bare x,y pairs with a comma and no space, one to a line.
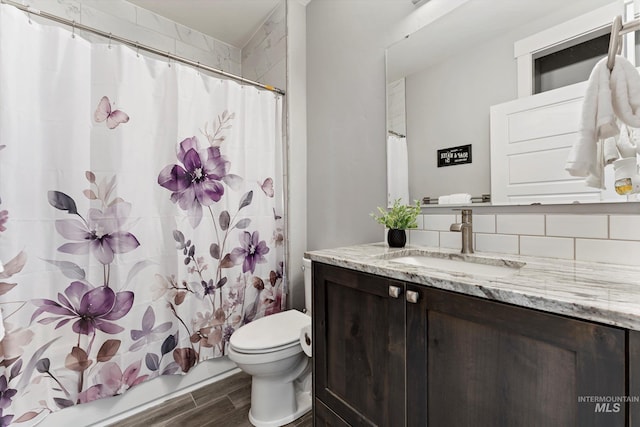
455,199
597,122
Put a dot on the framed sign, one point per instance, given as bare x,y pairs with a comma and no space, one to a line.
454,156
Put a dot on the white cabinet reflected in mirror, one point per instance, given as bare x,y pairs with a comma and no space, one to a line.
484,54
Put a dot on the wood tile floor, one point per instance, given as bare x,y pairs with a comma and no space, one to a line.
221,404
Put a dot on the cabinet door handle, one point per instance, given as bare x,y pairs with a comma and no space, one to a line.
394,291
412,296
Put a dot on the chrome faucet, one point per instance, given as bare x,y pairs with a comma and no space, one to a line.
466,228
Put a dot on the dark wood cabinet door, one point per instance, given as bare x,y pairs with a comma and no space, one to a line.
473,362
359,346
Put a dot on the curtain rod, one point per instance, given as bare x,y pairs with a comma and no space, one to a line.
139,46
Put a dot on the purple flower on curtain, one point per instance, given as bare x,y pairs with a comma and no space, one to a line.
197,181
112,381
250,252
92,308
148,334
102,234
5,420
4,217
6,393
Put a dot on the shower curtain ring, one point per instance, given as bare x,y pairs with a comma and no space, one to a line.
110,37
198,67
169,59
73,30
137,50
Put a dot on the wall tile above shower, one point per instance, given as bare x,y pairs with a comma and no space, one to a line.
137,24
264,56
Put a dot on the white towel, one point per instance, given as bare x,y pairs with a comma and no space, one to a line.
625,92
610,151
625,146
597,122
454,199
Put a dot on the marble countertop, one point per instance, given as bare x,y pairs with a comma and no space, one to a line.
604,293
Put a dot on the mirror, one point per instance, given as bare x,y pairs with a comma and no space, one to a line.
442,81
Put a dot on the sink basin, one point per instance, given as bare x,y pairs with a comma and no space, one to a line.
465,264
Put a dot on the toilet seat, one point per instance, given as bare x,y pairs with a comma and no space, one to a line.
275,333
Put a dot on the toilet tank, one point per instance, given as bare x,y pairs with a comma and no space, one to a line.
306,266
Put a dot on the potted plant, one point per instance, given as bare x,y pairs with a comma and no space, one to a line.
397,219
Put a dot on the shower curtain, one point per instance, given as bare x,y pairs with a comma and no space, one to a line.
140,216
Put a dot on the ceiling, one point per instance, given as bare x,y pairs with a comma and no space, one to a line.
231,21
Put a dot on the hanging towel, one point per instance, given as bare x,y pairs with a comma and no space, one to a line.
625,92
610,151
597,122
625,146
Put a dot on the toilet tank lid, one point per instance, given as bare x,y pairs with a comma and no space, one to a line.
271,331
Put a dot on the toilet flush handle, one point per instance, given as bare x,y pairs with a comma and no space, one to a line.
307,338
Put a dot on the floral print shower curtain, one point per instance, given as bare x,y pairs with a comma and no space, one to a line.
140,217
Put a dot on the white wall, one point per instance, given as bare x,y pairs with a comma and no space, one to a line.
346,43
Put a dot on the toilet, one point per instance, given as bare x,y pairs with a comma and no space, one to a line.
270,350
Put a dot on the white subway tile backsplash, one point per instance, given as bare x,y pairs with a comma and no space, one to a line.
550,247
420,221
450,239
611,251
624,227
520,224
439,222
589,226
423,238
484,223
502,243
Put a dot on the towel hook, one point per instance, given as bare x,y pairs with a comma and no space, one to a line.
615,47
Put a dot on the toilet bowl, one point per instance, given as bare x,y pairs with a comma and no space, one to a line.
269,350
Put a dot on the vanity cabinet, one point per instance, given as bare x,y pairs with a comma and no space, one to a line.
358,349
449,359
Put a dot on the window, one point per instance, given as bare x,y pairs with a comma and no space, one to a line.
569,62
